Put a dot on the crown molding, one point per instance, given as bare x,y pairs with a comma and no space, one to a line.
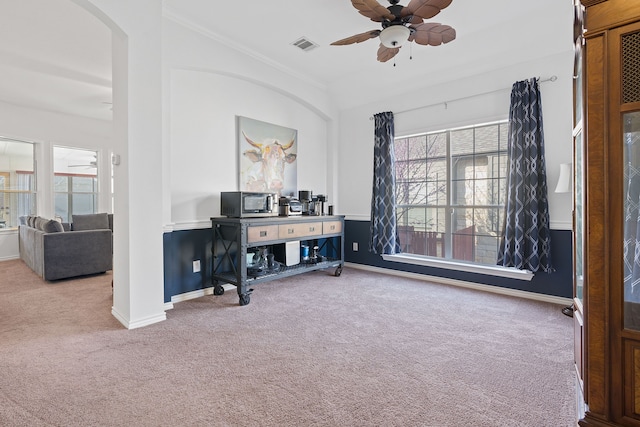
187,23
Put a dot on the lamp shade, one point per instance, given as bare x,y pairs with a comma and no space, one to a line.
564,181
394,36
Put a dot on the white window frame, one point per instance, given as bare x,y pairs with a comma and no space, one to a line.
445,261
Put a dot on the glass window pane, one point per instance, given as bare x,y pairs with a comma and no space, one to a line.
17,183
416,193
459,188
486,139
486,249
579,216
402,215
631,242
60,183
463,242
494,188
437,145
461,142
417,218
402,168
462,218
436,193
61,202
400,149
486,221
417,170
83,204
436,170
417,147
481,192
436,220
83,184
75,181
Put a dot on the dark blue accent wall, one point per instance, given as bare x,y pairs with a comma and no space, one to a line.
559,283
181,248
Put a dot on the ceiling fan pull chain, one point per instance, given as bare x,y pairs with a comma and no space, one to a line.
410,52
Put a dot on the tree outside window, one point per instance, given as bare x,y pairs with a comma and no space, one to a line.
450,192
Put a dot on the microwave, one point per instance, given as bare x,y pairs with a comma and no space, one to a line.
246,204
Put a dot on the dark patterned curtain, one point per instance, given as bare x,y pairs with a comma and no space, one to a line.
526,240
384,234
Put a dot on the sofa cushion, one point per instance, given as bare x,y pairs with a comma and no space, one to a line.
52,226
97,221
40,222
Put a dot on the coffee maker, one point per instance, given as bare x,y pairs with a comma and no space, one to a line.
310,205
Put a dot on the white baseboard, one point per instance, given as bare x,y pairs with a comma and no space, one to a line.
9,258
140,322
195,294
443,280
461,283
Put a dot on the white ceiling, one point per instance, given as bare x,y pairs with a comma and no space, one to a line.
56,56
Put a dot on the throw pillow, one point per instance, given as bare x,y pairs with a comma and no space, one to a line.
97,221
52,226
40,222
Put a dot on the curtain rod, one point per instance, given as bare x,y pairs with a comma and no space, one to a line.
550,79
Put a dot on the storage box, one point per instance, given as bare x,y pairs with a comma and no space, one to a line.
287,253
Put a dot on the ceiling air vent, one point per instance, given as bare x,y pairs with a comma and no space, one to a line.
305,44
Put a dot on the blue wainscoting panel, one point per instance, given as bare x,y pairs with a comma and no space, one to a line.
181,248
559,283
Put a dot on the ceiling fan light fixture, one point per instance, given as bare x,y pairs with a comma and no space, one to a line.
394,36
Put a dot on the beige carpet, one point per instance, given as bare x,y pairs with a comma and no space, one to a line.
362,349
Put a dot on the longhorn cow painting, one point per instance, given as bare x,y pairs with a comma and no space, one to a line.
267,157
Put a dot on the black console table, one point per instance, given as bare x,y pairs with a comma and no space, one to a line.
234,238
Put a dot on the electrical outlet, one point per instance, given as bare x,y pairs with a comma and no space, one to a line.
196,266
355,246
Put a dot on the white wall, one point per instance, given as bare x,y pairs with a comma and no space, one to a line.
424,110
55,128
206,87
204,158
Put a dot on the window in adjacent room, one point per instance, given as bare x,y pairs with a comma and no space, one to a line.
17,181
451,189
75,182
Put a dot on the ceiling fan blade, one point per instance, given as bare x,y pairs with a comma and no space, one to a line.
88,166
386,53
432,34
414,19
373,10
425,9
358,38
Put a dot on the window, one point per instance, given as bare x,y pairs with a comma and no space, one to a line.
17,181
450,189
75,182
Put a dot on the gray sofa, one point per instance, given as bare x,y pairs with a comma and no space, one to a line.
58,251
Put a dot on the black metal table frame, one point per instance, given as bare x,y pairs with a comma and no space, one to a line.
230,247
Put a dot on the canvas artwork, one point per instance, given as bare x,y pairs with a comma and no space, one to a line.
267,157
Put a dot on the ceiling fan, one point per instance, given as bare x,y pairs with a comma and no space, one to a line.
90,165
400,24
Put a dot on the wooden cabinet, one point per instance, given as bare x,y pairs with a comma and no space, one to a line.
235,240
607,147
